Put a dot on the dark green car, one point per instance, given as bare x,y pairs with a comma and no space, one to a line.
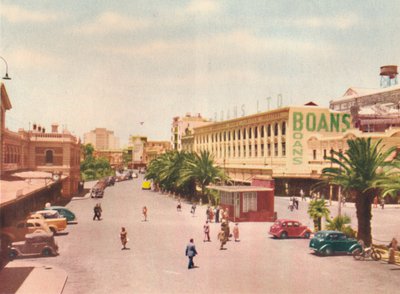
329,242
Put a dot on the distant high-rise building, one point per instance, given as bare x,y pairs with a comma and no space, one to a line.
101,139
180,126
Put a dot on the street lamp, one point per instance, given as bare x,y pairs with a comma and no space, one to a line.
6,77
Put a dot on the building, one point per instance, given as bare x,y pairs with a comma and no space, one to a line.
373,110
289,144
155,148
101,139
181,125
114,157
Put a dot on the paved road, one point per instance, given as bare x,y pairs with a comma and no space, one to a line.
155,262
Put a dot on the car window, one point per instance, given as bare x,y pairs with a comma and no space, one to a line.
342,237
284,224
277,223
30,225
296,224
289,224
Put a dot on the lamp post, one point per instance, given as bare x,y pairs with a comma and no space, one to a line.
6,77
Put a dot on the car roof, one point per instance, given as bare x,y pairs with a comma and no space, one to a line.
287,220
47,211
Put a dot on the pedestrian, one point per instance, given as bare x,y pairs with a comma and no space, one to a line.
221,238
208,213
383,203
179,206
392,248
236,232
375,201
145,213
206,229
217,214
193,210
211,214
302,195
226,214
124,237
344,201
296,203
190,253
97,211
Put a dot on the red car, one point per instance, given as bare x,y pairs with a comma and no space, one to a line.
284,228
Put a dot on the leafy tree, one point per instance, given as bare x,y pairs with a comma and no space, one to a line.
202,169
340,223
362,170
317,209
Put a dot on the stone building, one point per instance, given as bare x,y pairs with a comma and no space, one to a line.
101,139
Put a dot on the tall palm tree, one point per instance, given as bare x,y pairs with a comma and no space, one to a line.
317,209
361,171
202,169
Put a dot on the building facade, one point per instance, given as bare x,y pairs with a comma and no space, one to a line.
101,139
290,144
37,150
180,125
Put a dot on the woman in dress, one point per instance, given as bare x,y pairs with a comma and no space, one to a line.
124,238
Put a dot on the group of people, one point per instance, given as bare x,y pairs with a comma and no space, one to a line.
382,202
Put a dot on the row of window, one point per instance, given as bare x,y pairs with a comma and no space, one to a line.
247,151
12,154
251,132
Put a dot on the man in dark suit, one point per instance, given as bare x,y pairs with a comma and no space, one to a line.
190,253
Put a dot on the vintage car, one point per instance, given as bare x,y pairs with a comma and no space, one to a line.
329,242
52,218
64,212
34,244
284,228
18,231
96,192
146,185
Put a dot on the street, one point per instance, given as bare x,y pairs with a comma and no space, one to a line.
156,263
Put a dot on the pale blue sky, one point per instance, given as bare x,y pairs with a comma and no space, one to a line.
112,64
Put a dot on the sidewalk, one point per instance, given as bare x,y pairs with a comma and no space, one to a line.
28,277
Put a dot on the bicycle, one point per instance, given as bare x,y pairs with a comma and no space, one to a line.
370,252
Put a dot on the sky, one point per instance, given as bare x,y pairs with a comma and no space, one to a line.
114,64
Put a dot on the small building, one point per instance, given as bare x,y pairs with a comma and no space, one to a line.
247,203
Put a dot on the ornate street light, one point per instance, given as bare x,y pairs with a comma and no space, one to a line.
6,77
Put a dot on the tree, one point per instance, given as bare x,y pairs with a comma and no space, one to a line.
202,169
362,171
340,223
317,209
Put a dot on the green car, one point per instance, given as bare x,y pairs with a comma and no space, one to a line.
329,242
65,212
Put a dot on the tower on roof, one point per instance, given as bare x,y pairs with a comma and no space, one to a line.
388,75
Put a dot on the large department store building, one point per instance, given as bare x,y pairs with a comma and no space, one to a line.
288,144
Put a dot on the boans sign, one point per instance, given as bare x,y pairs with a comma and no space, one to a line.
311,122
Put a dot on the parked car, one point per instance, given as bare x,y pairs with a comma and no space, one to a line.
110,181
284,228
18,231
52,218
34,244
135,175
146,185
96,192
329,242
65,212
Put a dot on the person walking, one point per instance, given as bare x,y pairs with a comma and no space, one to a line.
302,195
208,213
97,212
211,214
124,237
206,229
193,210
179,206
145,213
222,238
376,202
217,214
383,203
236,232
190,253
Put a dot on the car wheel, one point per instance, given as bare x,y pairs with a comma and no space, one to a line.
12,254
284,235
46,252
307,235
328,251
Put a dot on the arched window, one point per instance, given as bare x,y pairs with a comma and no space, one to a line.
284,128
269,130
49,156
276,129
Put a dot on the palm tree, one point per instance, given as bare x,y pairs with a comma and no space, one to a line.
340,223
361,171
202,169
317,209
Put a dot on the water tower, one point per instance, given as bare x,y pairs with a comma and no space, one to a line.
388,75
